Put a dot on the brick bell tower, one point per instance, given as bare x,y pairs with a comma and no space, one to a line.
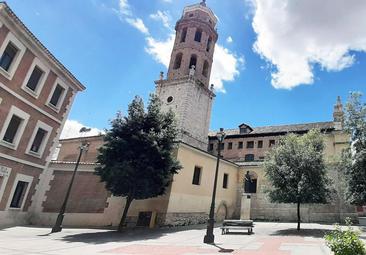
187,90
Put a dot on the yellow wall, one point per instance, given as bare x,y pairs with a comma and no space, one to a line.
188,198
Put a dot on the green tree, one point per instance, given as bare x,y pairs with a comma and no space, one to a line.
353,162
137,160
297,172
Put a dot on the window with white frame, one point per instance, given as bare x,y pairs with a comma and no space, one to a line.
39,139
8,56
35,78
19,191
13,127
4,176
57,95
11,52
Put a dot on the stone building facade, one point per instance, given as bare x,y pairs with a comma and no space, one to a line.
247,147
187,92
36,94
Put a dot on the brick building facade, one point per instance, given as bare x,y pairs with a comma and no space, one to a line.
36,93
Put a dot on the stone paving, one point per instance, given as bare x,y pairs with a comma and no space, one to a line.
268,239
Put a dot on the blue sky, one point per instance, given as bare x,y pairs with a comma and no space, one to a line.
285,62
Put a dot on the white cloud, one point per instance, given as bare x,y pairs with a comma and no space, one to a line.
162,16
124,7
225,63
229,39
225,67
295,35
72,128
160,50
126,14
138,24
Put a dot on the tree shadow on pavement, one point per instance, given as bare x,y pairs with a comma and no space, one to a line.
317,233
128,235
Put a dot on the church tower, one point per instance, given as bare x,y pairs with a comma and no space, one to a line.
338,114
187,90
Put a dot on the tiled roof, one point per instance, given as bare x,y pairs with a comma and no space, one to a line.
281,129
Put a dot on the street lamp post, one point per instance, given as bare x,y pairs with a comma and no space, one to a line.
209,237
83,147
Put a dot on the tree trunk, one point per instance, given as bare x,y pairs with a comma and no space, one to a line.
124,215
298,216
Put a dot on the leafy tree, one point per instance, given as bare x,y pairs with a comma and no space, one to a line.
136,160
353,162
296,171
345,242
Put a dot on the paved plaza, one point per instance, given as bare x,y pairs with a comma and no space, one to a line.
269,238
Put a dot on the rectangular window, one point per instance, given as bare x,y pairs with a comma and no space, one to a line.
34,78
38,140
211,147
8,56
222,146
230,146
272,143
197,176
12,129
260,144
57,94
250,144
240,145
225,181
19,193
249,157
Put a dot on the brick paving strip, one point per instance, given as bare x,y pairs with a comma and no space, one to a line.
265,246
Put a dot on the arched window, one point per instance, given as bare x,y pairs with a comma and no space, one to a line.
193,61
198,35
178,61
209,41
205,69
183,35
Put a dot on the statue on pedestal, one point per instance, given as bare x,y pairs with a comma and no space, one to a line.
247,182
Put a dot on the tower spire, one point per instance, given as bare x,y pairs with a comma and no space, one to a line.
338,114
203,3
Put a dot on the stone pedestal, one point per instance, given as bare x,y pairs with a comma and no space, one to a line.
245,206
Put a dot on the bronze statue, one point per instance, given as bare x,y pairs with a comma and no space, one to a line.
247,182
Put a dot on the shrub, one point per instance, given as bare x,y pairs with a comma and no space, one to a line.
345,242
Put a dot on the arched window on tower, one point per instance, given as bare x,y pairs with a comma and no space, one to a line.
193,61
178,60
183,35
209,41
205,69
198,35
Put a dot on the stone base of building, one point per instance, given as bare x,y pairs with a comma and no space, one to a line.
13,218
182,219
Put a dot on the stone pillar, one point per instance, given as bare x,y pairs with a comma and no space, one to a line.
245,206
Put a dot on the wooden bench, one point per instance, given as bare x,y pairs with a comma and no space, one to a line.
237,225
